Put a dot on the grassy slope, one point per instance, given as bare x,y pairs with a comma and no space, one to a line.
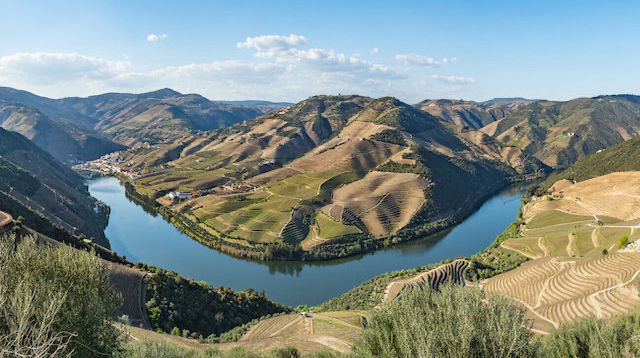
38,182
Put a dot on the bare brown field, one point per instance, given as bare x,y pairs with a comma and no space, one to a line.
615,195
322,331
560,291
383,201
359,155
451,272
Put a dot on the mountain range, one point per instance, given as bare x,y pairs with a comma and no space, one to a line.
78,129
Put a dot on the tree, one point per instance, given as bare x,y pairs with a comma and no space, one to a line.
60,292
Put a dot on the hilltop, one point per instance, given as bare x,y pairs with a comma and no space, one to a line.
329,176
64,141
469,114
560,133
77,129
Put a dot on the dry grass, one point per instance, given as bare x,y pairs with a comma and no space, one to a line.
383,201
560,291
570,277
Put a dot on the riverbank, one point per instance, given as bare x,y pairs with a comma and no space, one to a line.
143,237
340,248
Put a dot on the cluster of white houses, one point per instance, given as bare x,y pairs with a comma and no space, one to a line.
183,195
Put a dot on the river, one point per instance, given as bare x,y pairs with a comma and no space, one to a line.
143,237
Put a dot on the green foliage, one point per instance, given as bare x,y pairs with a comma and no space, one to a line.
495,260
34,277
147,348
369,293
452,322
605,251
390,136
328,186
624,240
594,338
174,301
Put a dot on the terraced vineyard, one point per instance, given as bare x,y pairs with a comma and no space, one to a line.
451,272
559,291
576,238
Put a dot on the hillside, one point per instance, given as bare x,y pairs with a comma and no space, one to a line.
125,118
34,184
329,176
560,133
577,241
618,158
159,116
65,142
153,298
469,114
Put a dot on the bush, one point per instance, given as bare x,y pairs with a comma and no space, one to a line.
623,241
59,296
452,322
594,338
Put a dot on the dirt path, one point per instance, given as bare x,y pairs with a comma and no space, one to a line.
595,239
571,246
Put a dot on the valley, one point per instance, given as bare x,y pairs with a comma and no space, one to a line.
329,203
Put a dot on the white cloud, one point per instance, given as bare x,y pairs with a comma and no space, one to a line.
453,79
283,70
270,45
44,67
375,50
156,37
412,59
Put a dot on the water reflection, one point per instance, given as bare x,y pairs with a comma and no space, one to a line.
150,239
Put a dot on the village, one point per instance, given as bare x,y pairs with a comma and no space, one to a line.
108,164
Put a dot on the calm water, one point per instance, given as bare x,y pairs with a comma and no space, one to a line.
142,237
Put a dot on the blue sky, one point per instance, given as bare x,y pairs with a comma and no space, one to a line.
289,50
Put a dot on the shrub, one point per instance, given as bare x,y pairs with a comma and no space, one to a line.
287,352
623,241
452,322
59,296
594,338
605,251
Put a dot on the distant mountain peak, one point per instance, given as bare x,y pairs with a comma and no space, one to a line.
161,93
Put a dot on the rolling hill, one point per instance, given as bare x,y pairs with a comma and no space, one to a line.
64,141
329,176
560,133
44,191
474,115
158,116
85,128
